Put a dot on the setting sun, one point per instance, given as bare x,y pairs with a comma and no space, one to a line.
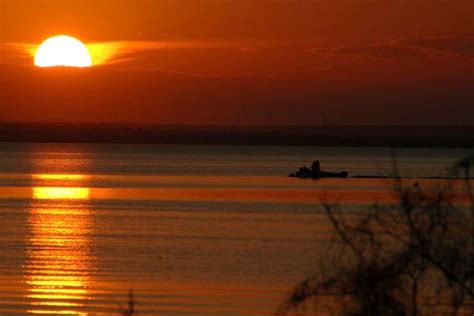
62,51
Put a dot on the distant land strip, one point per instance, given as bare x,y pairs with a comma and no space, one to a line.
412,178
380,136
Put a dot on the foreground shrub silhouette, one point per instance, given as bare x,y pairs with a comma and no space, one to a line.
413,258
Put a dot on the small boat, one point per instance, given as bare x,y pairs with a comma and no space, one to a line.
316,173
324,174
321,174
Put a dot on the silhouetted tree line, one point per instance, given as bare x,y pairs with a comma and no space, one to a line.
412,258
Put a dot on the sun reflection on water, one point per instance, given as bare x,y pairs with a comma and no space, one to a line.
59,260
60,193
56,176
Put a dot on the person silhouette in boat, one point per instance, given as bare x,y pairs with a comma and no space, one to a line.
304,172
315,168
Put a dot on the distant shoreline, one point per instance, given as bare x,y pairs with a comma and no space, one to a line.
349,136
358,176
411,178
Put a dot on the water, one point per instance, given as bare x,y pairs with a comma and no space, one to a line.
192,230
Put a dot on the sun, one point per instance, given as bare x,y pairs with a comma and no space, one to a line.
62,51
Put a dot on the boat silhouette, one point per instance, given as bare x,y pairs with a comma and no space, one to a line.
316,172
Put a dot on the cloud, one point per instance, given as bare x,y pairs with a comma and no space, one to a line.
176,72
408,48
117,52
384,51
463,45
251,50
103,53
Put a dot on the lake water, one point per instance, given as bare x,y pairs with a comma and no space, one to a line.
192,230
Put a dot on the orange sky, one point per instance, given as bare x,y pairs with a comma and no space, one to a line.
244,61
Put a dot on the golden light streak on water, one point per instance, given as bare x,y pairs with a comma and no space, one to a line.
60,193
58,256
60,176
